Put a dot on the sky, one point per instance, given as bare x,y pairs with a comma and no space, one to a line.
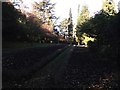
62,7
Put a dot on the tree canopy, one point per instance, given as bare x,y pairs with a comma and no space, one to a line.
104,27
18,26
45,11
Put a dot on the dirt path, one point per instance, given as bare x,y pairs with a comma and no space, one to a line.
75,67
19,66
51,74
84,71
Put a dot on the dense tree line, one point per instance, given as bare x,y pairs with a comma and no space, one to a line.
17,26
104,27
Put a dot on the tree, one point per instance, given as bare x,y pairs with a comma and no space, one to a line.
112,36
70,24
44,10
109,7
10,21
105,29
64,26
82,18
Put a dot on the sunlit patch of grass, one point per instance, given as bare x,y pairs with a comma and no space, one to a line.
86,39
